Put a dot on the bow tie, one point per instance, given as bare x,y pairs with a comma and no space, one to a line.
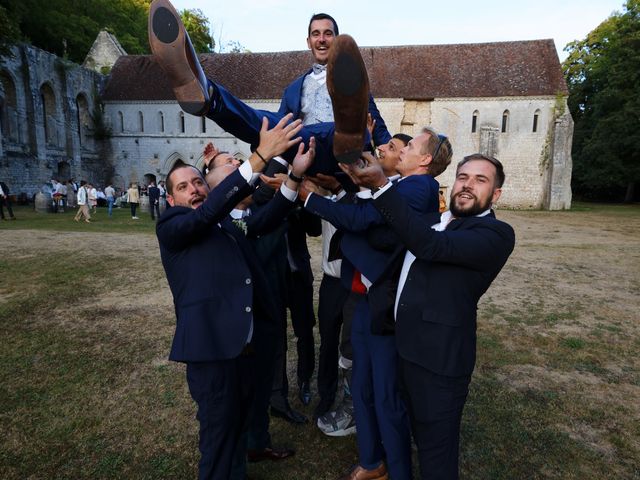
317,68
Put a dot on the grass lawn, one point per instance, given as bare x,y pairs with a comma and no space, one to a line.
86,321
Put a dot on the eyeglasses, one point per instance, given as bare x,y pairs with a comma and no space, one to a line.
442,138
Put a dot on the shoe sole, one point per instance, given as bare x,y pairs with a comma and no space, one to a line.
341,433
348,75
168,40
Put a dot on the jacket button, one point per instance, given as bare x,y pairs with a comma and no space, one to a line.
248,281
247,309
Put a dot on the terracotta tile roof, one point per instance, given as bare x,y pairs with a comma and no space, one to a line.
526,68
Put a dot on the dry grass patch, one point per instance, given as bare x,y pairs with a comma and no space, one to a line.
86,391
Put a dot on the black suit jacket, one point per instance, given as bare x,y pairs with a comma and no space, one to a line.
214,276
154,194
436,317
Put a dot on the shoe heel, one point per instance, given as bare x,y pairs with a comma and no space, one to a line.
191,98
348,140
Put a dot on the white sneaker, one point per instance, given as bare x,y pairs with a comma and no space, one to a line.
135,218
339,423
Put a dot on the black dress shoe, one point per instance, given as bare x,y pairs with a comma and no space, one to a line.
348,86
273,454
172,49
290,415
305,394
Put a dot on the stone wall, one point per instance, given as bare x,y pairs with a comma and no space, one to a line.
45,120
46,130
537,164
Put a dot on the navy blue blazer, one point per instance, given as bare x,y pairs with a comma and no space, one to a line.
420,192
291,103
211,270
154,194
436,317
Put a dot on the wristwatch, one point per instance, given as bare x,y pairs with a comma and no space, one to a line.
295,178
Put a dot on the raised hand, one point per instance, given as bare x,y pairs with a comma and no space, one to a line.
328,182
303,161
306,188
274,182
371,125
280,138
209,153
367,173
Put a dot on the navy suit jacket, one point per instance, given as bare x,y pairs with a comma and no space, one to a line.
436,317
291,103
356,221
154,194
212,270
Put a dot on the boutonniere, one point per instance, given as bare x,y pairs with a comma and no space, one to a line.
241,224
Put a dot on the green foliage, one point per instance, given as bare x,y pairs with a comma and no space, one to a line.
197,25
603,74
49,25
9,33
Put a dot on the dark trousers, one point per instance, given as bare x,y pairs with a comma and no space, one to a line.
331,299
154,209
381,417
6,201
435,405
348,311
280,388
133,206
223,391
244,122
265,343
300,295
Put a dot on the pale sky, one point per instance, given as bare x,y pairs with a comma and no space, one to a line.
280,25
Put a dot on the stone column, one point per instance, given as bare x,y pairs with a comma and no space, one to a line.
558,189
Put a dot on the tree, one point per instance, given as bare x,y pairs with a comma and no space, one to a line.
10,32
603,75
76,23
197,26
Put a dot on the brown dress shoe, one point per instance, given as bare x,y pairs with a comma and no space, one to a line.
273,454
348,86
172,49
360,473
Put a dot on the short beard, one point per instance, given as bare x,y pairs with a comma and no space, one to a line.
471,211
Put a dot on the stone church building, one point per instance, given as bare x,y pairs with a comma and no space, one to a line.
505,99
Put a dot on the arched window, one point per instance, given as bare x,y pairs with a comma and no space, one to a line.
505,121
474,122
204,124
49,111
84,119
140,122
536,117
161,122
121,121
8,108
181,121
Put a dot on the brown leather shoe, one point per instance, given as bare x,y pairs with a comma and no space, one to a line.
172,49
360,473
348,86
273,454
